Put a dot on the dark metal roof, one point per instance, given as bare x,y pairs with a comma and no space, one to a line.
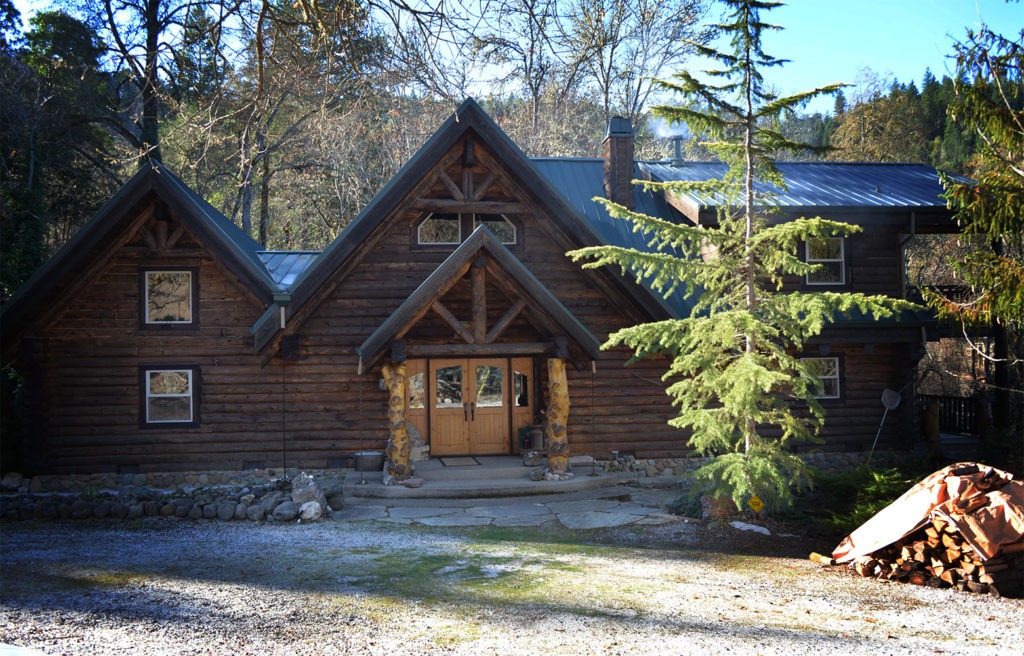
824,184
580,181
286,266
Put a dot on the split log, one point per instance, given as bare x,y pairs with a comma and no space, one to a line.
939,556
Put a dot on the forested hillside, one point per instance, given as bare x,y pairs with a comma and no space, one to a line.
289,116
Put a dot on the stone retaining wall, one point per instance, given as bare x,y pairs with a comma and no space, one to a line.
268,495
208,495
827,462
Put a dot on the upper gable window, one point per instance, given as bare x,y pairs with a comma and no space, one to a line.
440,229
830,254
501,227
168,297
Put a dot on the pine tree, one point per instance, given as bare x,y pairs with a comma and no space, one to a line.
735,373
989,104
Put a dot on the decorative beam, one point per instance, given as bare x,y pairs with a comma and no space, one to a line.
510,349
498,328
469,207
452,187
147,237
178,233
478,274
452,320
484,185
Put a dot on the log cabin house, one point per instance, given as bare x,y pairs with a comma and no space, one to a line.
162,338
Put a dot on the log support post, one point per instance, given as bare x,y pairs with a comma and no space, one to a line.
557,434
399,448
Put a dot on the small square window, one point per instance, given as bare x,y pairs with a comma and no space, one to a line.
168,297
169,396
499,226
826,370
830,254
440,229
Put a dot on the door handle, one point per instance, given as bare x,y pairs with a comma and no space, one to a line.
472,410
465,413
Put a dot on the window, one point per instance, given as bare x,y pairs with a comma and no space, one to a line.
521,385
829,253
440,229
169,396
168,297
415,387
450,229
827,372
499,226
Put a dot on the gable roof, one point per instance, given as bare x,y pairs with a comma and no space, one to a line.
581,180
443,277
814,186
236,250
468,117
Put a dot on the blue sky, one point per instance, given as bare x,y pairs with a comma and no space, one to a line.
835,40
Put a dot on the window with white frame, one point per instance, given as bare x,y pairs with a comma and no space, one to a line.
168,297
829,253
169,395
499,226
826,371
439,229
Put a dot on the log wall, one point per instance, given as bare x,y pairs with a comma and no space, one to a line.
317,410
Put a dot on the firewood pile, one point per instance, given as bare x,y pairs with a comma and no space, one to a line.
962,527
938,556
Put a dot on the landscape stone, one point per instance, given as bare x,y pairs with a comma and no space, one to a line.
286,511
241,510
210,511
10,482
255,513
195,512
225,510
81,509
304,489
311,511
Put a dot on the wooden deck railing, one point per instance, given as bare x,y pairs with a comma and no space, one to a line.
956,414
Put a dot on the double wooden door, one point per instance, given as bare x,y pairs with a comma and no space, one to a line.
469,401
475,406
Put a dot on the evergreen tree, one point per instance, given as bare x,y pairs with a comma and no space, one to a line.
735,371
989,103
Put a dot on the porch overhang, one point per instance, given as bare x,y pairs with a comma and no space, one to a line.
565,335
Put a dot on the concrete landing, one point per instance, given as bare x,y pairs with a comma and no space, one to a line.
498,492
494,476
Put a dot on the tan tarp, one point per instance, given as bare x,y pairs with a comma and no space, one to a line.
982,502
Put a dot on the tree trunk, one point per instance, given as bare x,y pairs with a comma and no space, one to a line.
399,449
557,433
265,204
150,122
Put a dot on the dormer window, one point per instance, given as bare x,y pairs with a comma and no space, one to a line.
440,229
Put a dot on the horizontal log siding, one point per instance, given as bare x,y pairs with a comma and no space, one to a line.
92,353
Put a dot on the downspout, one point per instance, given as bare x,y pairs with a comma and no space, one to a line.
282,300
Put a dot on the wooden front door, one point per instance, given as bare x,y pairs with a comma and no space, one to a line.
469,407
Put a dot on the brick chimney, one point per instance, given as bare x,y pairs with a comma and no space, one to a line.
617,152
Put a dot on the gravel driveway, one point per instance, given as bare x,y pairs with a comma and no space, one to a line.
183,587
